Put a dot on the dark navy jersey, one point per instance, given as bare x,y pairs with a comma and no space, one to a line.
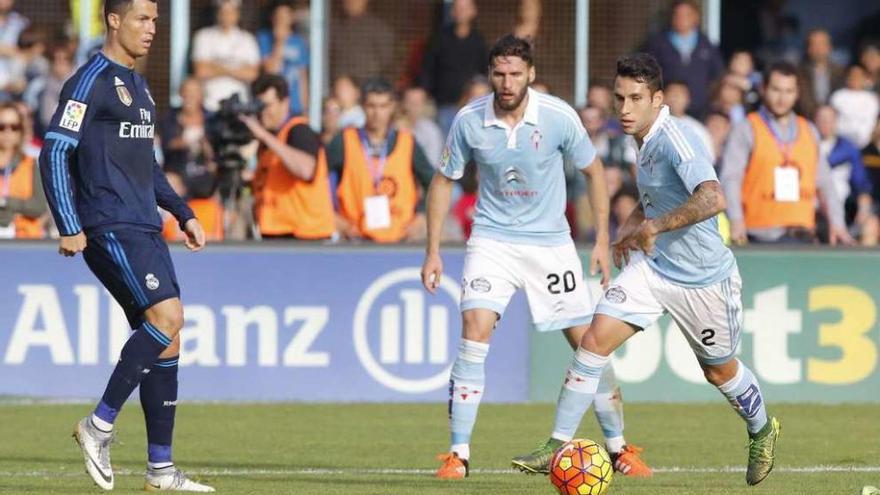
97,163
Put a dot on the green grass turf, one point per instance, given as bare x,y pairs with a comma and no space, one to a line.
260,448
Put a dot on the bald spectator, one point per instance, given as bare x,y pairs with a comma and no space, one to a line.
454,55
686,54
361,45
818,75
226,58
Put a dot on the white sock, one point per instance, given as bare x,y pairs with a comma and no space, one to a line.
101,425
615,444
462,449
159,465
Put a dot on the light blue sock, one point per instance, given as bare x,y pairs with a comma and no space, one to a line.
466,387
744,394
608,406
581,384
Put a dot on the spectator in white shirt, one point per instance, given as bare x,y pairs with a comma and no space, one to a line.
857,107
226,58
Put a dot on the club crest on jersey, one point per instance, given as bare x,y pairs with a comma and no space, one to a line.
536,138
151,281
74,113
124,95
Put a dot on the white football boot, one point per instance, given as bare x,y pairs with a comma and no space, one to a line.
95,447
171,479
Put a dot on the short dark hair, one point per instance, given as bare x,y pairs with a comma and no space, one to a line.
116,7
271,81
782,68
511,46
643,68
377,85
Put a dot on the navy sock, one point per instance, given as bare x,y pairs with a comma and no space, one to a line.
137,358
159,401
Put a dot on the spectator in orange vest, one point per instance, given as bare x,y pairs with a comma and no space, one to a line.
22,202
380,170
772,171
291,186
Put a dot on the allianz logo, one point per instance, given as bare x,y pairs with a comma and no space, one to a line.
397,323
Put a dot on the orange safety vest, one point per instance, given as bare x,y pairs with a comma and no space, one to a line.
397,181
760,208
209,213
21,186
286,204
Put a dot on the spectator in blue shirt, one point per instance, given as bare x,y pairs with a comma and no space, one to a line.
849,177
686,54
286,53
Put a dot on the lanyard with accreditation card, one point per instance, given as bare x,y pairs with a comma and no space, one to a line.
377,208
786,176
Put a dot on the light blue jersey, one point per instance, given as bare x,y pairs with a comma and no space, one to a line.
522,184
672,163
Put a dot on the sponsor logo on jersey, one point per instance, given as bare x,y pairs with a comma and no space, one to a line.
74,113
616,295
151,281
513,178
136,131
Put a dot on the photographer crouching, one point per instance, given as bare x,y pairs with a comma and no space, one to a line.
291,186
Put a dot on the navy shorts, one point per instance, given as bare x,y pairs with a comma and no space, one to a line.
135,267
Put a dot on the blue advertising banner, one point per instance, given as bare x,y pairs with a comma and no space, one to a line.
262,324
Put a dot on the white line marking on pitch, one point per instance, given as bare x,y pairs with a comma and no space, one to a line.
404,471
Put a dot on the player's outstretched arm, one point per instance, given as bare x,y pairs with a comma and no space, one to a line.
439,198
600,203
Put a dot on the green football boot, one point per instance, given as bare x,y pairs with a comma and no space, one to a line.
538,461
762,452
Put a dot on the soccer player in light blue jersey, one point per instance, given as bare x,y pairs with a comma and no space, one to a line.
676,263
519,139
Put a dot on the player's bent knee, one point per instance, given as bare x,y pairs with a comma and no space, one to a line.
719,374
173,349
167,316
478,324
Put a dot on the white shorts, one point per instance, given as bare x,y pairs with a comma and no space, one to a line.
552,277
710,317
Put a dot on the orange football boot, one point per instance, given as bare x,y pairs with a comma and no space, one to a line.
629,463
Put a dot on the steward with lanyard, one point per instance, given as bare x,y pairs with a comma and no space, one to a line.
379,170
21,194
772,172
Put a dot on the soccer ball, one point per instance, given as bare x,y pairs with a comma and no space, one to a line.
581,467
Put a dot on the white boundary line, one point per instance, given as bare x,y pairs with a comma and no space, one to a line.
408,471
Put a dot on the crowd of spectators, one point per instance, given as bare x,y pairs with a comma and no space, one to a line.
795,144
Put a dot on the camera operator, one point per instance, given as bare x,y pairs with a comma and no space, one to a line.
291,185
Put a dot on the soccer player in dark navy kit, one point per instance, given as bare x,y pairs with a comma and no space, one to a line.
103,186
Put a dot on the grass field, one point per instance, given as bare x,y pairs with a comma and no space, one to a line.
390,449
